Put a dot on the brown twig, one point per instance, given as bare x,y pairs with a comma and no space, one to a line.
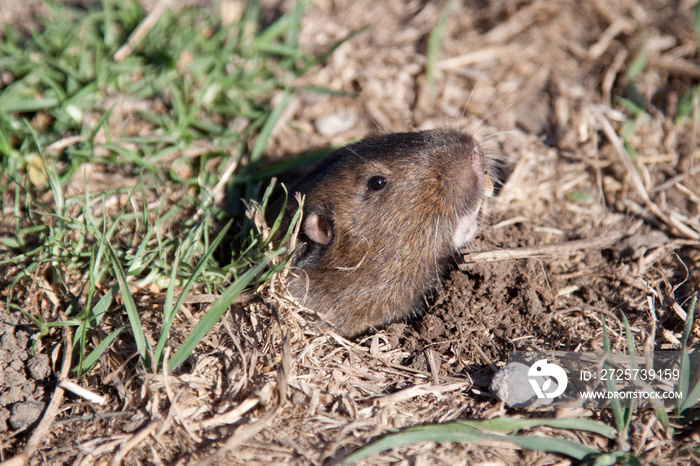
141,30
133,441
671,182
547,250
676,65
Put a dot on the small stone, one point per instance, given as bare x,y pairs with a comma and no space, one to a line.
335,123
22,339
511,385
38,367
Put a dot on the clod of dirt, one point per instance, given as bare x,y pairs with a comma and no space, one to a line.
22,379
25,414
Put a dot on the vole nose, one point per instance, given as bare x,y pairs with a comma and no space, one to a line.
478,163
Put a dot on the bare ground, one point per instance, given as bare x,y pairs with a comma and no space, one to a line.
538,83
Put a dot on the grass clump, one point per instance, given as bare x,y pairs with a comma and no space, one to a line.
112,168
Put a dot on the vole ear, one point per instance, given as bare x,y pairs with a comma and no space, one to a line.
318,228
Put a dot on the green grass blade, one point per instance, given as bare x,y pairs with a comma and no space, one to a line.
293,223
266,131
507,424
100,309
273,31
630,340
169,312
336,45
278,220
91,359
456,432
692,398
639,63
54,181
14,104
142,345
292,37
214,314
92,316
138,264
434,42
618,414
18,224
629,403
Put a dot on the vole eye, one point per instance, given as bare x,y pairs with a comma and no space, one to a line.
376,183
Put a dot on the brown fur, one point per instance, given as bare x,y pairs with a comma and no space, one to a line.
371,255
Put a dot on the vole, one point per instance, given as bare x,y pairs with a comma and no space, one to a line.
382,219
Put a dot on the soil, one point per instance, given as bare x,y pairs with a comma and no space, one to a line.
540,84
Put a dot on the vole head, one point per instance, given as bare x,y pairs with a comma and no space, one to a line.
381,219
395,184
